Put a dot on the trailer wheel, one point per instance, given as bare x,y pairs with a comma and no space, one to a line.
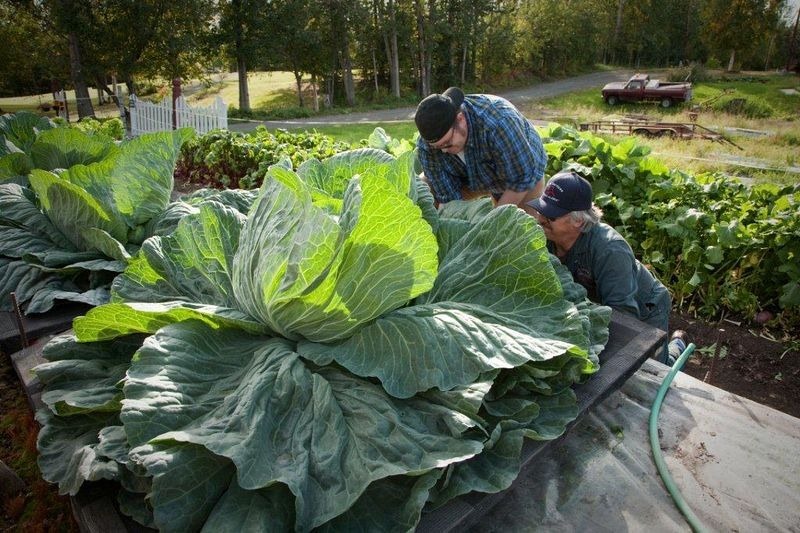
612,100
666,102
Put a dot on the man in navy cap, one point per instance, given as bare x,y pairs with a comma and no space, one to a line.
599,258
478,144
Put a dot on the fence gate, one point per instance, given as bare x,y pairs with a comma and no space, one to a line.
149,116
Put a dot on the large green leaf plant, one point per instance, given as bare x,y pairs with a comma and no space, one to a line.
338,358
720,245
75,209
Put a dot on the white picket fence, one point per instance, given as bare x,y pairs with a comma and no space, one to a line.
149,116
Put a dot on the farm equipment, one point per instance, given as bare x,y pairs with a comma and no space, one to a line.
651,128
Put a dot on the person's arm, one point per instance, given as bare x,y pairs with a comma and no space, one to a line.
443,185
521,199
615,277
512,198
520,157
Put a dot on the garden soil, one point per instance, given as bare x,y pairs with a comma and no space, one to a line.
736,358
743,360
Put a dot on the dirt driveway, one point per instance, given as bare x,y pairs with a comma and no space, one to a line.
518,97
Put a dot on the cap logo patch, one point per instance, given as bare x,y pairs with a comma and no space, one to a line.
552,191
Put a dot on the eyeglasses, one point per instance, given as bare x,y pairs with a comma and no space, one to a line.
449,144
549,219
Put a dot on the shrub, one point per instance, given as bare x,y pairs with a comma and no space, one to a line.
744,106
147,88
694,72
787,139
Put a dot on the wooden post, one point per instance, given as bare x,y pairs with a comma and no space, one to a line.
176,93
63,96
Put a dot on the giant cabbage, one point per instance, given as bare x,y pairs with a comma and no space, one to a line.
81,212
29,141
338,358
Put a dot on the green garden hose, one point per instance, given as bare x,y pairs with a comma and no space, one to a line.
655,445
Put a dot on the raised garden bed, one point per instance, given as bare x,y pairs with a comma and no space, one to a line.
630,343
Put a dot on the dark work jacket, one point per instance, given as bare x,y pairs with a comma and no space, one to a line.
602,261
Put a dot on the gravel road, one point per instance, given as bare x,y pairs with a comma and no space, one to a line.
517,97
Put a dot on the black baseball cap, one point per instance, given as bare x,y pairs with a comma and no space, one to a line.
436,113
565,192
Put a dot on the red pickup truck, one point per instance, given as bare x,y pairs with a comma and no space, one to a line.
640,88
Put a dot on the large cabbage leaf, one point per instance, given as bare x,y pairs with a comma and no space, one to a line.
307,273
33,142
320,431
497,303
74,230
18,131
336,359
62,148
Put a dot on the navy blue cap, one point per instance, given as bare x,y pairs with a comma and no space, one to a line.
565,192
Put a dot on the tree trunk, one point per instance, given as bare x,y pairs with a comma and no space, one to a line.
394,65
464,61
244,88
102,87
790,57
687,33
316,93
769,51
394,54
84,101
347,74
298,79
422,51
617,31
731,61
375,72
330,85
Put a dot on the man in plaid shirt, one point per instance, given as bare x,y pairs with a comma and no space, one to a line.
476,145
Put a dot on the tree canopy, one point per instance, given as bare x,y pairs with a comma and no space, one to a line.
396,46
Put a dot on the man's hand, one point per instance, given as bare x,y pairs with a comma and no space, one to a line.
521,198
512,197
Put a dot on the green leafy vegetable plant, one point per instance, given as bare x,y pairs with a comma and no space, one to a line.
337,358
113,128
719,245
71,224
225,159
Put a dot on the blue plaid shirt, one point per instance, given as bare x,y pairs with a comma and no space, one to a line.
503,151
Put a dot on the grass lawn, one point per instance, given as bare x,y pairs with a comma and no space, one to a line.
776,94
773,156
263,86
355,133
